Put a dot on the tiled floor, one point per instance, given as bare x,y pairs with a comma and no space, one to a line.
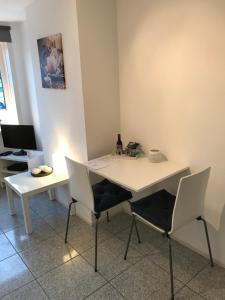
41,266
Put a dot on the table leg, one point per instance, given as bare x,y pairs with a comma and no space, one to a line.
51,194
26,214
11,203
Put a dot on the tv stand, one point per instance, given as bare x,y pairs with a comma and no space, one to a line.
20,153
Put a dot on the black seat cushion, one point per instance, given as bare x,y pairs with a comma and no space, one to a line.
156,208
107,195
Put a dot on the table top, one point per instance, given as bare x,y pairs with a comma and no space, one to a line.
25,184
138,174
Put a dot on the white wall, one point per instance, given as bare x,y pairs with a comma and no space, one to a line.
61,112
13,10
99,65
172,91
30,79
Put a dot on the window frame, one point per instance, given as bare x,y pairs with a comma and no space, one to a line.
3,90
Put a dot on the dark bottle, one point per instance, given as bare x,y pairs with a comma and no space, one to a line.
119,145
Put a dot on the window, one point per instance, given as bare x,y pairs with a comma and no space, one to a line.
2,94
8,111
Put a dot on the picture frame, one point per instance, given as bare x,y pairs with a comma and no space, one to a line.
50,50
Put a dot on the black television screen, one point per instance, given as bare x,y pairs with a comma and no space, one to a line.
19,136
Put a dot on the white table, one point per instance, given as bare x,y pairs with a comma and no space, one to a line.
25,185
137,174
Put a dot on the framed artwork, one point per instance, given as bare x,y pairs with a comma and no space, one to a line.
50,51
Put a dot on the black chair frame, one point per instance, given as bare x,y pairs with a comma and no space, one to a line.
168,236
97,216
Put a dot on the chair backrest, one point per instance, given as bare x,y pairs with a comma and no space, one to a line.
190,198
79,183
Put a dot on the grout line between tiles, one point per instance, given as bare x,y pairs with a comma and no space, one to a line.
114,234
35,279
8,257
186,285
42,289
180,290
107,281
95,290
203,268
17,288
118,291
102,275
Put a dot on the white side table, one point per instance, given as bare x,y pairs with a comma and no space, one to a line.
25,185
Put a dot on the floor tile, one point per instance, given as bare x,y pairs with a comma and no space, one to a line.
187,294
22,241
8,222
107,292
210,283
4,207
47,255
31,291
186,263
4,211
58,221
117,223
13,275
82,236
111,257
3,199
151,240
144,280
72,281
42,205
6,249
63,274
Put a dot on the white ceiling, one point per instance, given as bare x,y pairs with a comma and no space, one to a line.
13,10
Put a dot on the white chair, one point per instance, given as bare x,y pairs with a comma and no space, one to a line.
167,213
97,198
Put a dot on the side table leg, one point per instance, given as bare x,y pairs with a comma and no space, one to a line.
11,203
26,214
51,194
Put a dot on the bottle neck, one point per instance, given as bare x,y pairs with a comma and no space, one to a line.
119,139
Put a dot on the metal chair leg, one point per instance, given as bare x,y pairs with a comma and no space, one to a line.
68,220
171,268
208,242
136,228
207,239
128,241
96,243
107,215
